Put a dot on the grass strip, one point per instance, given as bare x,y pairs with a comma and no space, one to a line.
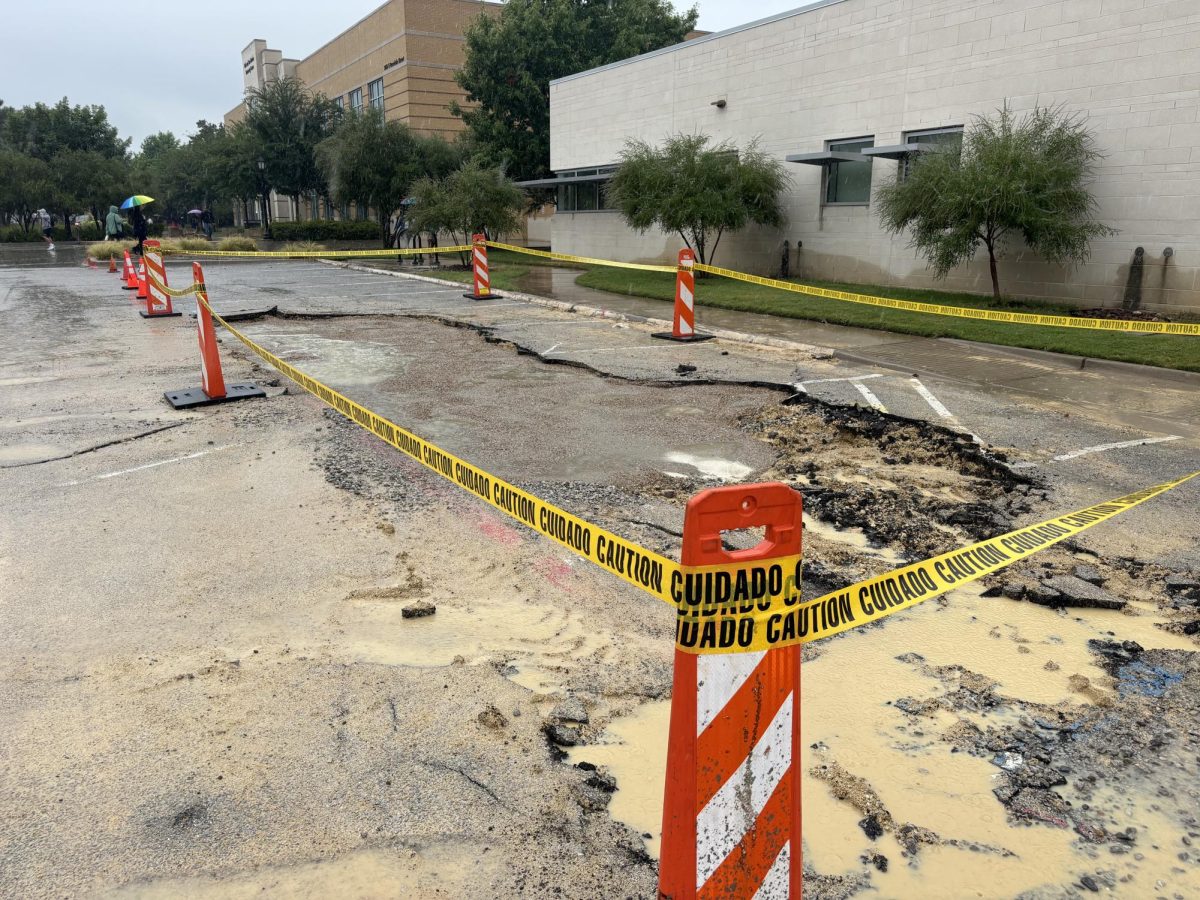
1166,351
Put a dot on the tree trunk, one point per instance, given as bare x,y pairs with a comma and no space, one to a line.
991,247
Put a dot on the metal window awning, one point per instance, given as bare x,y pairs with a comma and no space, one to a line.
555,182
824,157
894,151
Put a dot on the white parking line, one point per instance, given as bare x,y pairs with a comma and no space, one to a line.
153,465
934,402
940,408
831,380
868,396
1100,448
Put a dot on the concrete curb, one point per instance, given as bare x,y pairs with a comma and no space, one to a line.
721,334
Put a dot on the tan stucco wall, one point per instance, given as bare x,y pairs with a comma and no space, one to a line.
882,67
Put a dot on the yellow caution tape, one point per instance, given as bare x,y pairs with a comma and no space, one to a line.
319,254
195,288
643,568
583,260
732,608
961,312
704,629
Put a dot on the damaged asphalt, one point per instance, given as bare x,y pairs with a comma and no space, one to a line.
212,688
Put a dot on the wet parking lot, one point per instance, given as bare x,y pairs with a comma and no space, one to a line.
219,693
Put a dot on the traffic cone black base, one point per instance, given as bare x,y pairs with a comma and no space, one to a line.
682,338
188,398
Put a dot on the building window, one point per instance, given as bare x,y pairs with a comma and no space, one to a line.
375,94
949,139
848,182
340,101
356,100
587,194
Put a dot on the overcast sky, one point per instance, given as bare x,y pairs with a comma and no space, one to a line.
161,66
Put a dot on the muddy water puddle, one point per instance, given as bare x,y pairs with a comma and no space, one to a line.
918,776
333,360
634,750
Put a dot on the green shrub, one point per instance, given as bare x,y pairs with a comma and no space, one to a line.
237,244
346,230
189,244
303,247
14,235
109,249
89,232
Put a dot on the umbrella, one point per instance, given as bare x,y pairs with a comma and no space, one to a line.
195,212
136,200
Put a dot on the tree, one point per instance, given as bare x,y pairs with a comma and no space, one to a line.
289,122
471,200
87,180
696,190
1026,176
205,151
236,166
373,163
511,59
161,170
25,186
47,133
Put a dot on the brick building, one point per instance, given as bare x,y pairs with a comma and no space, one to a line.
401,58
846,90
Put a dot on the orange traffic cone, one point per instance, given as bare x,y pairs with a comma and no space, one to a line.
129,275
142,292
112,264
212,388
479,268
731,811
683,325
154,273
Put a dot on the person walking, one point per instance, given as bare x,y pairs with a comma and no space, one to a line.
206,222
114,225
47,226
140,228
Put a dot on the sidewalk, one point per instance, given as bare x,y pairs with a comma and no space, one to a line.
1124,394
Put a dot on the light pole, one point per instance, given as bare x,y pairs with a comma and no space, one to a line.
262,182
